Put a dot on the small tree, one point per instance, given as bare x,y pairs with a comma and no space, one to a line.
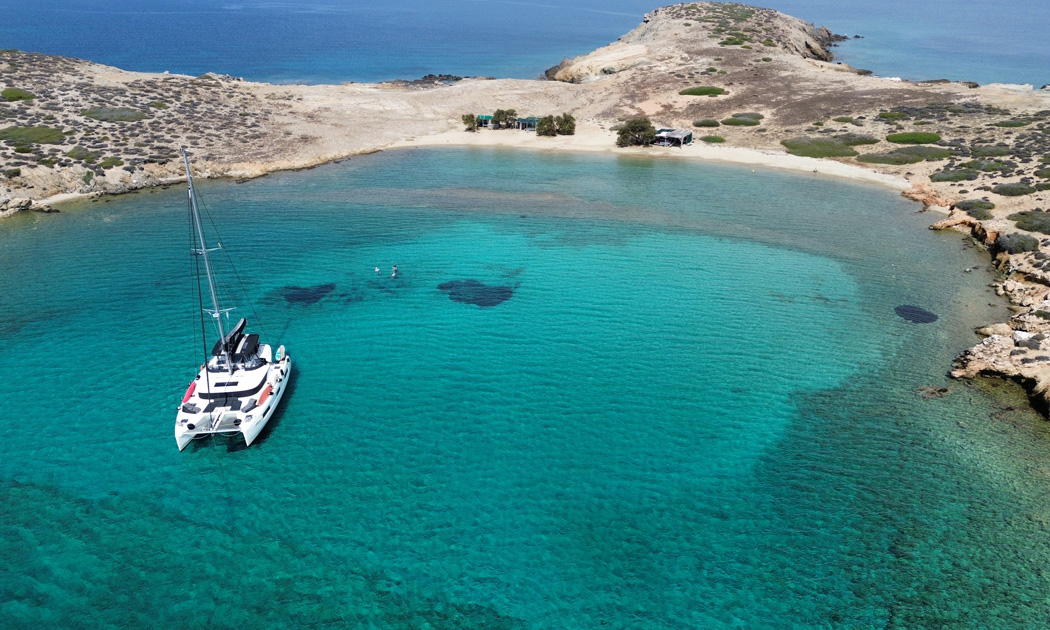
504,117
470,121
546,126
566,125
636,132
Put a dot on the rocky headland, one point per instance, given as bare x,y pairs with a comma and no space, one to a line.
753,84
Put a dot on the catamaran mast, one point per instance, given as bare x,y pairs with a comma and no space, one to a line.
203,251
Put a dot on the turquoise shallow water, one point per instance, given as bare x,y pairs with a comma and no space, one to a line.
697,409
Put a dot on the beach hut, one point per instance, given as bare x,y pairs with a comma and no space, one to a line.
484,120
528,123
674,137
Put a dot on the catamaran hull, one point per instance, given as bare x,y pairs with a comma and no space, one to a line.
252,430
248,423
183,440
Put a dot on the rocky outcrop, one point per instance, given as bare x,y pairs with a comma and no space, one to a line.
667,31
1018,349
1022,356
9,207
822,40
927,196
957,219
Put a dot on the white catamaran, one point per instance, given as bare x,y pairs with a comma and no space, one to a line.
242,381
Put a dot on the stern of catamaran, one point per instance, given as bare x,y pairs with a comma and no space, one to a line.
241,400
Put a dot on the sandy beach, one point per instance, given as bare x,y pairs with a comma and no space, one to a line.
591,139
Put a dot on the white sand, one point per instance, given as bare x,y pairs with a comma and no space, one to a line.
593,139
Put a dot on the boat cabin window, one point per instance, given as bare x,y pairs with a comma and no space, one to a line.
218,363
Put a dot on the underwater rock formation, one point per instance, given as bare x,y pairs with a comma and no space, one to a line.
915,314
306,295
476,292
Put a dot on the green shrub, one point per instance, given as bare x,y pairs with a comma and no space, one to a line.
32,135
736,40
975,204
711,69
1013,123
703,90
913,137
566,124
15,94
817,147
926,153
977,208
1043,172
749,115
159,105
114,114
713,139
978,212
853,139
768,42
706,122
1017,243
988,150
906,155
1043,186
12,173
1045,159
504,118
636,132
893,157
843,119
987,166
735,12
1032,220
740,122
23,149
80,153
546,126
87,177
1013,190
955,175
892,116
110,162
767,59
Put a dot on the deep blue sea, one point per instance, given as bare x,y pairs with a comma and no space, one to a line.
331,41
694,407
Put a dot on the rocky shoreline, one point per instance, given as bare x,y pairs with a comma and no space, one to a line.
980,154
